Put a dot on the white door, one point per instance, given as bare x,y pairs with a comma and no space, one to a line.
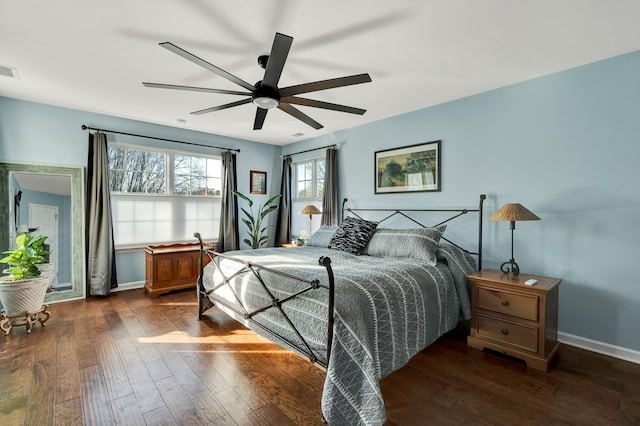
45,218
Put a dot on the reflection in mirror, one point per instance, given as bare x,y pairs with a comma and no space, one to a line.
42,206
47,200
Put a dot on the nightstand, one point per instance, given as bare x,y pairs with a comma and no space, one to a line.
513,318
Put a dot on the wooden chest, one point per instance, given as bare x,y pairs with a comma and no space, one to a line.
171,267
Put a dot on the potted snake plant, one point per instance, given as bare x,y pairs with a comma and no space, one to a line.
23,290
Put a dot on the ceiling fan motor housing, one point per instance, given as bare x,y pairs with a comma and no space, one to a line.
265,97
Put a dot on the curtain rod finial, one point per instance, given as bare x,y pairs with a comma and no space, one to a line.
83,127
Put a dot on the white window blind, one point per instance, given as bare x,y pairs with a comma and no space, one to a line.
139,220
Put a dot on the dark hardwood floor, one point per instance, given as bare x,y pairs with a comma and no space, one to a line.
132,360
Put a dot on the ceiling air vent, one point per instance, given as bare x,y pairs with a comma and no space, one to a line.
8,71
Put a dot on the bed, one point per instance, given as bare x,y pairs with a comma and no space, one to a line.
361,313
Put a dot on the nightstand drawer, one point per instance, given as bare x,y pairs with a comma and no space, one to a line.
507,332
514,304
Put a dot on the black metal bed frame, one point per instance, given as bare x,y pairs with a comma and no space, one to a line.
205,303
401,212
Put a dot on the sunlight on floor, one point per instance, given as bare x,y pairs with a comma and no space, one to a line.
256,351
177,304
182,337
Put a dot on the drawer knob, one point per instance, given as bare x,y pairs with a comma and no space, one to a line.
505,302
504,331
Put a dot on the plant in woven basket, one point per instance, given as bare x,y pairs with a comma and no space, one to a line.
23,260
257,232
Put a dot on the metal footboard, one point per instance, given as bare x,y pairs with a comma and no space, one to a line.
300,343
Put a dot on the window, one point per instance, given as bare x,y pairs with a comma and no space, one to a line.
197,175
134,170
163,196
309,179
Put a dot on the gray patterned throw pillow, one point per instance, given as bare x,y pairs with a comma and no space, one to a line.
352,235
420,244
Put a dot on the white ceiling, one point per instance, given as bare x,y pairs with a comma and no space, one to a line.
93,55
42,182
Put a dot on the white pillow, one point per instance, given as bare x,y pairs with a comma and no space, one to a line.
322,237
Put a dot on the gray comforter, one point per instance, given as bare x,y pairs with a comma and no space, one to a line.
386,310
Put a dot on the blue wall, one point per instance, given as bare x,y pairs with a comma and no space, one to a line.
567,147
38,133
564,145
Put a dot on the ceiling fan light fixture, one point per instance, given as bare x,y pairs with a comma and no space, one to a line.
265,102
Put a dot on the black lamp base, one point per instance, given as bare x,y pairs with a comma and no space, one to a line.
510,268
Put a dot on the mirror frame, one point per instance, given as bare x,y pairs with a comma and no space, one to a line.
77,220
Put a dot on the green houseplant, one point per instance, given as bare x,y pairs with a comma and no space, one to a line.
23,290
23,260
257,232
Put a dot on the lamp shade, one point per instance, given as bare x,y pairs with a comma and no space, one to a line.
310,209
22,229
514,212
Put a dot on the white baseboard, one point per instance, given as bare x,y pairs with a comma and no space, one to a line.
129,286
600,347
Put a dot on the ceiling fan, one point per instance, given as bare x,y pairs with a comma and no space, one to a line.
266,94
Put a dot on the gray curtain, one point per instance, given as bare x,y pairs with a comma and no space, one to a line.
101,257
330,198
228,238
283,225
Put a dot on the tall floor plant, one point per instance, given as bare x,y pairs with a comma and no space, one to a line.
255,221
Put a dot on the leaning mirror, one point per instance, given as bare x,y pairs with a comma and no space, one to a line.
47,200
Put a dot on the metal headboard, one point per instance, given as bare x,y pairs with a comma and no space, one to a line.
455,213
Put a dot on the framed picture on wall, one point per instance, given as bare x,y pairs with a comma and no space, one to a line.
257,182
408,169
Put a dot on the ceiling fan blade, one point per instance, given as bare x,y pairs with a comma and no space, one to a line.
324,85
261,114
220,107
300,115
198,61
195,89
321,104
277,58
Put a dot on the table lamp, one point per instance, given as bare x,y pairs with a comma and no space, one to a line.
512,212
310,210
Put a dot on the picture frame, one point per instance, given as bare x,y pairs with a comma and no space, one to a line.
257,182
413,168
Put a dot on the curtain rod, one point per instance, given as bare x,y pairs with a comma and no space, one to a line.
310,150
159,139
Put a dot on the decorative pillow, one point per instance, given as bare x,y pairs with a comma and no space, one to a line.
322,237
353,235
420,244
